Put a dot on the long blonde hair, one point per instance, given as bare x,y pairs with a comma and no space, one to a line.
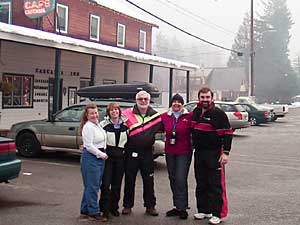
84,118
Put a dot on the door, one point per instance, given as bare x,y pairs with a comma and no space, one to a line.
63,132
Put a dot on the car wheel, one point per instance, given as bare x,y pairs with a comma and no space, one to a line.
253,121
28,145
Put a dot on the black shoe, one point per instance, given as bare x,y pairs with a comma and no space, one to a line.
172,212
95,217
183,214
114,212
151,212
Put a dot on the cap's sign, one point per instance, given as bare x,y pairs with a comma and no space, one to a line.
35,9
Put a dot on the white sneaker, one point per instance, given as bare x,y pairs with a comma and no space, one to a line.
201,216
215,220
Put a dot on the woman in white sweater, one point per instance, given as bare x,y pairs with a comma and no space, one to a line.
92,161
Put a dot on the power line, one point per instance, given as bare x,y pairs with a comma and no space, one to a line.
192,55
200,19
184,48
186,32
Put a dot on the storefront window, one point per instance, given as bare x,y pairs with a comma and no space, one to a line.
17,91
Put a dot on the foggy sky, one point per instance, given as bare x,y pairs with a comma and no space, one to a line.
228,14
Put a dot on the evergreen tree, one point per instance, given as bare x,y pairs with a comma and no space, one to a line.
274,76
241,44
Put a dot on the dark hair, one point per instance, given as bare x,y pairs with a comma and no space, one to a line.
84,118
111,106
177,97
205,90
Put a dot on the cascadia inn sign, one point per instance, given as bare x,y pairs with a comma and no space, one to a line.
35,9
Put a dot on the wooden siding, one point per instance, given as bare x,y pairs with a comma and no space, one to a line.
138,72
25,59
109,69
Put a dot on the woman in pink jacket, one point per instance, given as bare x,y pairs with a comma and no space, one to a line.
177,125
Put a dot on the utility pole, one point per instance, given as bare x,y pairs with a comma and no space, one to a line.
298,67
251,51
298,76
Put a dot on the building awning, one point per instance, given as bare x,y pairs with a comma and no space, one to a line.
40,38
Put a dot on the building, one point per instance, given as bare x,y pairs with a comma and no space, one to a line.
44,61
228,83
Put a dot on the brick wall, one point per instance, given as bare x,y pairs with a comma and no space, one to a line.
19,18
79,23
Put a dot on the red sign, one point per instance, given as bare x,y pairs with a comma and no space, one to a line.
35,9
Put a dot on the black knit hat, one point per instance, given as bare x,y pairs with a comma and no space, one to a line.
177,97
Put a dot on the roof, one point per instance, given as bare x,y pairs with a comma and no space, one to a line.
40,38
118,7
202,72
227,78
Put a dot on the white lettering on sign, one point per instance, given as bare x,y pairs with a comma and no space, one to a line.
37,4
34,11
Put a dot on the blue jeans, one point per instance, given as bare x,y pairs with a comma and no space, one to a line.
178,170
92,172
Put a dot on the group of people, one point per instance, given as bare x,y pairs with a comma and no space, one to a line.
122,144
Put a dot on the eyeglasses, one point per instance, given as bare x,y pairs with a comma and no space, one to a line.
141,99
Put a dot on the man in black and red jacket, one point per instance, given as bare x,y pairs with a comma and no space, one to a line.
212,137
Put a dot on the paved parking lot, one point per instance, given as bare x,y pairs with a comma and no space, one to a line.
263,180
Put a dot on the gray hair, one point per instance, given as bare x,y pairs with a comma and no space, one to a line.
141,93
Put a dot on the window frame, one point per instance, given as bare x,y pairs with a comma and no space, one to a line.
143,49
123,36
93,16
72,95
67,18
9,10
63,115
31,96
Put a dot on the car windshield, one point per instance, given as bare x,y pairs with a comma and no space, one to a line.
190,106
71,114
226,107
239,108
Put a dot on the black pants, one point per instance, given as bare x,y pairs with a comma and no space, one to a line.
139,159
178,170
210,183
111,184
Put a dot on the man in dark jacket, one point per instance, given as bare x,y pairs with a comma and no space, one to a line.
143,123
212,137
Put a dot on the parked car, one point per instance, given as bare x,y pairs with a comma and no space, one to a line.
61,131
257,114
10,166
277,110
238,117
